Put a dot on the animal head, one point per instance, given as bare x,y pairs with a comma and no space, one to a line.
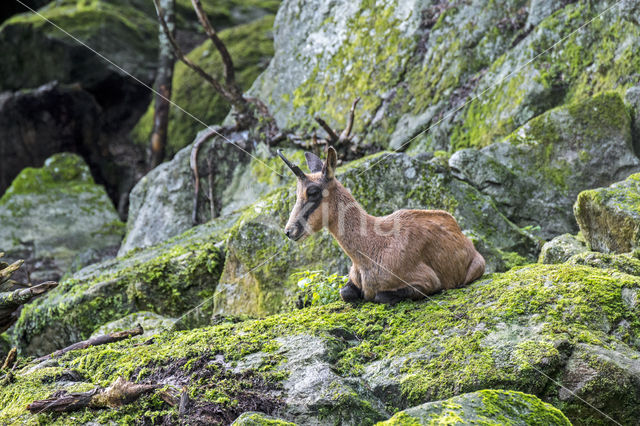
314,194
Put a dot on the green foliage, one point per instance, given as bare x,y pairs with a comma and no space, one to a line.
315,288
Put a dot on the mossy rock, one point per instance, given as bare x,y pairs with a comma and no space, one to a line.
259,419
36,52
51,215
443,76
251,48
561,248
168,279
489,407
534,329
260,261
536,173
609,218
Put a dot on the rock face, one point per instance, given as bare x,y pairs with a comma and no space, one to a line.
250,46
482,407
169,280
421,65
53,214
561,248
260,259
564,333
535,174
609,218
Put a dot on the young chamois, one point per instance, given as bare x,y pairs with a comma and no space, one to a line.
408,254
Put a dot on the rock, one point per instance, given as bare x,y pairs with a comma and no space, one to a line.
162,202
627,263
632,97
561,248
484,407
260,259
545,330
251,418
118,30
609,218
151,323
53,214
535,174
169,280
251,48
35,124
438,75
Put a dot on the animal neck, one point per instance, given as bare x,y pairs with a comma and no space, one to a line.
353,227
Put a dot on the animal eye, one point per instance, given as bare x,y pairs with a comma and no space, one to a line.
313,191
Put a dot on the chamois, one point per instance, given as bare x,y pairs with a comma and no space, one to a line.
408,254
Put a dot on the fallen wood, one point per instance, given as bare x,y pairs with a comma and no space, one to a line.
11,301
10,359
96,341
119,393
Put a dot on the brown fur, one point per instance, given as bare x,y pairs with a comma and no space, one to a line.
424,250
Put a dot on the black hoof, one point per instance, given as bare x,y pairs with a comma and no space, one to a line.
350,293
393,297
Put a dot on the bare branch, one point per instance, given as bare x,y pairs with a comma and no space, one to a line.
119,393
182,57
333,138
95,341
10,359
346,133
229,70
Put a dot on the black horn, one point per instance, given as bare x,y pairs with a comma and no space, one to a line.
295,169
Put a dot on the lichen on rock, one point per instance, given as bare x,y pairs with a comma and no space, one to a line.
561,248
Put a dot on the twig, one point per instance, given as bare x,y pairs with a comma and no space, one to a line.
119,393
6,273
333,138
346,133
96,341
10,359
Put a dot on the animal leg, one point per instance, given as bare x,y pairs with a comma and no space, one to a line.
394,296
476,269
350,292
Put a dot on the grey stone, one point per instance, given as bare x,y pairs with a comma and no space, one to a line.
561,248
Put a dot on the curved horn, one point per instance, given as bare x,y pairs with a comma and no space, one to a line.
295,169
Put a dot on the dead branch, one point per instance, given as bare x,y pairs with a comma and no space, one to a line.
10,359
95,341
333,138
346,133
229,69
11,301
193,162
119,393
6,273
345,136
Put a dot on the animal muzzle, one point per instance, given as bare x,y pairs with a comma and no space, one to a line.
295,231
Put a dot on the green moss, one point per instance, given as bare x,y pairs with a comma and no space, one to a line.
454,327
251,48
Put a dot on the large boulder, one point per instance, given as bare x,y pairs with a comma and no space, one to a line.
251,48
169,279
55,213
260,259
462,71
567,334
536,173
609,218
482,407
561,248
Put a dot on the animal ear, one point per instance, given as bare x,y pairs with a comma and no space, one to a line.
329,166
314,163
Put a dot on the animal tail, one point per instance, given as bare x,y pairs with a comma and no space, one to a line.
476,268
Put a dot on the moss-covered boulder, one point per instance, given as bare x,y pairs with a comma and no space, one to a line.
251,418
609,218
461,70
260,259
168,279
35,52
482,407
250,46
568,334
536,173
561,248
50,215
